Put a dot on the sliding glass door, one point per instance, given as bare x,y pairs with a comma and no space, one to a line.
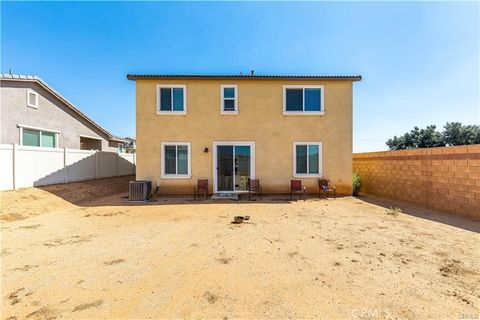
242,156
225,168
234,166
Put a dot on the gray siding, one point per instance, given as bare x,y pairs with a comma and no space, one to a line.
52,114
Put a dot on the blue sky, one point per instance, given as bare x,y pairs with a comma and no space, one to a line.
419,60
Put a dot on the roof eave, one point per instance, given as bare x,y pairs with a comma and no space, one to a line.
117,139
239,77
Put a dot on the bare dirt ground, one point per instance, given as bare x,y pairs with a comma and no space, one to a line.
350,258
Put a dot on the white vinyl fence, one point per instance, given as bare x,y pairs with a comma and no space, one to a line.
22,166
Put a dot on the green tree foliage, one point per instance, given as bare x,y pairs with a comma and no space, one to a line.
454,134
417,138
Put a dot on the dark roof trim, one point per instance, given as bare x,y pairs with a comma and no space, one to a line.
236,77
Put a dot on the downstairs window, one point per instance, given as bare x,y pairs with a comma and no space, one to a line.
176,160
307,159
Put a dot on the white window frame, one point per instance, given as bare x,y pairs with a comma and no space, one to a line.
40,130
29,104
222,99
163,175
320,161
304,113
251,144
171,86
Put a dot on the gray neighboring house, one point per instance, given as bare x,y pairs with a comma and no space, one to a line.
33,114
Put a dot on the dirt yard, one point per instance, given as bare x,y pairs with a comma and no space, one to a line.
350,258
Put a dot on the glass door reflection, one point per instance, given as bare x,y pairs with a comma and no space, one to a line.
233,167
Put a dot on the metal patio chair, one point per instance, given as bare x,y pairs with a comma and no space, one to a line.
297,188
325,188
254,188
201,188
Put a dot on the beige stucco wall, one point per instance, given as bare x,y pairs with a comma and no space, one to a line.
260,119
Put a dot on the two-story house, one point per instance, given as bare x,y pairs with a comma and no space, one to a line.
34,114
228,128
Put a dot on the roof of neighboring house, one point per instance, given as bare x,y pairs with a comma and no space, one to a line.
43,84
239,77
117,138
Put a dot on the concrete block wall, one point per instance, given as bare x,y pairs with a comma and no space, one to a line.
445,179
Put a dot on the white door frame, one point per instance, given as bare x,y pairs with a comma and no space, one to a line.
251,144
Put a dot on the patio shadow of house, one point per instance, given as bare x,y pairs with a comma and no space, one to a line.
114,192
466,223
121,199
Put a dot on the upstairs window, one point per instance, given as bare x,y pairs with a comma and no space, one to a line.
171,99
303,99
307,159
176,160
229,99
32,99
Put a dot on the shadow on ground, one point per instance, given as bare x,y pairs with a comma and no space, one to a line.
122,200
465,223
82,192
114,192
